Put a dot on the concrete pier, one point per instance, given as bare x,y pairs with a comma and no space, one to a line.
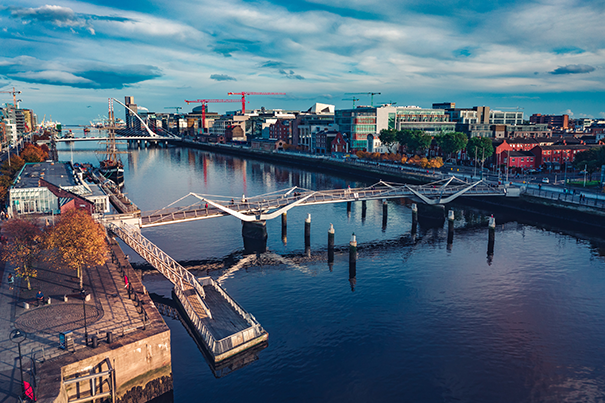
254,234
133,364
385,214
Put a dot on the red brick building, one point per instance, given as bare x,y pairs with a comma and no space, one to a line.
280,130
554,157
519,160
553,121
339,144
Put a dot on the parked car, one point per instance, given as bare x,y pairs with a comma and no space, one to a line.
545,180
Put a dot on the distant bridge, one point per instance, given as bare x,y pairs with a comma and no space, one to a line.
271,205
135,138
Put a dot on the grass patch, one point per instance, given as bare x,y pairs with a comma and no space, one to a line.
588,183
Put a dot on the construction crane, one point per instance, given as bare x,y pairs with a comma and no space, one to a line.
351,99
205,103
174,107
243,94
371,94
14,92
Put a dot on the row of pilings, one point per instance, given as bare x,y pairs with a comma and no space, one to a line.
255,235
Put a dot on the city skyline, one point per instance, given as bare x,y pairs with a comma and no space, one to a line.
68,57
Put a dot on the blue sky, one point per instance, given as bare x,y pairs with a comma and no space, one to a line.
68,57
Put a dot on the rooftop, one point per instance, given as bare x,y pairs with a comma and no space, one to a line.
57,173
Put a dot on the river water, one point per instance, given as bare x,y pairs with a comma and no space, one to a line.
420,320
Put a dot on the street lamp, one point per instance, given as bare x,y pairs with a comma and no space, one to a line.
83,294
18,336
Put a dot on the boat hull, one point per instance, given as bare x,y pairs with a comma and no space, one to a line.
116,174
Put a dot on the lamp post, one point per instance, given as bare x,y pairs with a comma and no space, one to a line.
83,294
18,336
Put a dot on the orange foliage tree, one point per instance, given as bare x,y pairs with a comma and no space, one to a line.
77,242
33,153
24,247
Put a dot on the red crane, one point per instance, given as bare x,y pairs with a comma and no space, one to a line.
243,94
14,92
205,103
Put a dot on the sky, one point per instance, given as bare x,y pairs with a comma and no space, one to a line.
69,57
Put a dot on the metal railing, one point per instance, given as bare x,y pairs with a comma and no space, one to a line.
178,276
277,200
95,382
577,198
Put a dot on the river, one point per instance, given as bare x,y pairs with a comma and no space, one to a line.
420,320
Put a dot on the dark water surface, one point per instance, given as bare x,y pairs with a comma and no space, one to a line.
418,321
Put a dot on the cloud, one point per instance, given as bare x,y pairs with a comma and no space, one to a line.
291,74
222,77
61,17
87,75
574,69
274,64
57,15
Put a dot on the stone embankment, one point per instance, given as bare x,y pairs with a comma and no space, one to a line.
128,354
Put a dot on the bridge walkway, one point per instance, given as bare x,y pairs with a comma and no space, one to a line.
260,205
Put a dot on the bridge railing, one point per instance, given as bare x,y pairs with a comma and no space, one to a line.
195,319
177,274
166,265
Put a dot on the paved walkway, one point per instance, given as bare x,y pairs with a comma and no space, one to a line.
109,309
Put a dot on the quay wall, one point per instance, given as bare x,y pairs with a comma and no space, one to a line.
141,359
535,208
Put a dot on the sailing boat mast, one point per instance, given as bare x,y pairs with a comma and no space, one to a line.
111,151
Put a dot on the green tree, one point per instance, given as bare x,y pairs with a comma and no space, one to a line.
77,242
592,159
388,137
414,140
452,142
482,146
24,247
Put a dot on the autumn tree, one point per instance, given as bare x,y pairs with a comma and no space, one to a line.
77,242
24,247
33,153
12,166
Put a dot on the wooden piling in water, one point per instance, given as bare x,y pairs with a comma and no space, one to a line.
284,228
308,230
353,262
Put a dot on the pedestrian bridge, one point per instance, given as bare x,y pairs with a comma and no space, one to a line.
271,205
99,139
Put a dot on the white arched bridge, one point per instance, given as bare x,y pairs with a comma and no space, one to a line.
271,205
